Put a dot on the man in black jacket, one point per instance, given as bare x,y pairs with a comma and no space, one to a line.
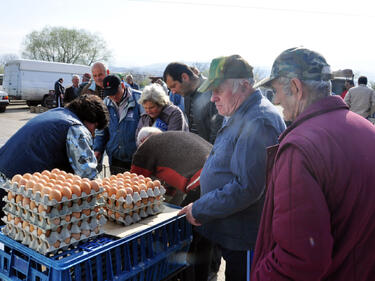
201,113
59,92
72,92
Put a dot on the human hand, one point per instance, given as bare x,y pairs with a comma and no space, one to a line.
189,215
98,155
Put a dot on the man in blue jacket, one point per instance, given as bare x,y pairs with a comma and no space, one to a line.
233,177
118,139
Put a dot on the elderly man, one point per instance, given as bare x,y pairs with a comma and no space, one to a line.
118,139
130,81
99,72
361,99
72,92
318,217
201,114
233,177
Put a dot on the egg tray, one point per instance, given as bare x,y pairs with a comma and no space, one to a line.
37,197
135,216
45,245
47,223
116,204
54,211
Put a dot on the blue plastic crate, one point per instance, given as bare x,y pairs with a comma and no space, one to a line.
152,254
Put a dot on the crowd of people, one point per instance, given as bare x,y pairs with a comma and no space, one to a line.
276,202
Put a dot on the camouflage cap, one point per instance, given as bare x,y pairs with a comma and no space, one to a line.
300,63
221,68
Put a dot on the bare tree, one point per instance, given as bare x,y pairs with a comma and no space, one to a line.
61,44
4,59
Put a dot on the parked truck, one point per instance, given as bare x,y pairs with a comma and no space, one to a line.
34,80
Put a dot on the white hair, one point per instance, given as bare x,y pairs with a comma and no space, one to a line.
75,76
317,89
155,94
237,83
146,132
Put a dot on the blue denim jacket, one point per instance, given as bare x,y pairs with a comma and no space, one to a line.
118,139
233,177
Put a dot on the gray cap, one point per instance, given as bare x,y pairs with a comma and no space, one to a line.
300,63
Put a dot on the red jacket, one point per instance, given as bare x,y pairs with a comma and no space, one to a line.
318,221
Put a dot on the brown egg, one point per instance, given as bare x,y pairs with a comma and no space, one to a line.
57,244
32,228
117,215
58,187
96,230
46,173
67,240
135,188
25,224
48,233
129,190
63,173
109,212
120,193
39,231
10,196
86,187
55,194
56,221
157,183
142,187
22,182
30,184
52,180
38,187
76,190
19,198
44,177
69,181
42,208
127,173
45,191
42,181
133,175
58,230
10,217
27,176
111,190
76,214
87,212
17,220
69,176
150,184
76,177
96,209
60,178
68,218
69,226
32,205
94,185
16,178
76,236
141,177
56,171
59,182
26,201
66,192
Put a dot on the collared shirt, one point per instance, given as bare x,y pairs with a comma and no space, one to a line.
79,147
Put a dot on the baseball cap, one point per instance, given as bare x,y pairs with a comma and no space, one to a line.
111,84
221,68
300,63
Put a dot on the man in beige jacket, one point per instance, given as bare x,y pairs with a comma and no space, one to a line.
361,99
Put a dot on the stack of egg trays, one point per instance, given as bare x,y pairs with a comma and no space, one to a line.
55,224
133,208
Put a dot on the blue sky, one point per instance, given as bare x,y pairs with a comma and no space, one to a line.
143,32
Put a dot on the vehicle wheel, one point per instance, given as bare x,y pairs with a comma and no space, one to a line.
2,109
32,103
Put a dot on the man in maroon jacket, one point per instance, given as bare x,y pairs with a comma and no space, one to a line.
318,217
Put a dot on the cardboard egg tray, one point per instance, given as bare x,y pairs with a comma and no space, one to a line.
52,223
128,217
48,242
39,199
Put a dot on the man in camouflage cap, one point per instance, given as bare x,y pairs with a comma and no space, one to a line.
317,221
233,177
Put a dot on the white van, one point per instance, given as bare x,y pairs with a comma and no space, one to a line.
31,80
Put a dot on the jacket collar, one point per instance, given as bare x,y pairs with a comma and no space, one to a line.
319,107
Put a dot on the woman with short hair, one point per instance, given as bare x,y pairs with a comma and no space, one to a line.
159,112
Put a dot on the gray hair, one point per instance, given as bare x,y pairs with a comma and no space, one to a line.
146,132
75,76
154,93
316,89
237,83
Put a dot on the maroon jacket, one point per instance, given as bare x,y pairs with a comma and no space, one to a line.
318,221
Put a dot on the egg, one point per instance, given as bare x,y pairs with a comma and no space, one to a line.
142,187
44,177
55,195
112,190
58,230
76,214
76,236
17,220
76,189
39,231
109,212
63,173
69,176
46,173
41,208
135,188
96,230
16,178
37,187
157,183
129,190
94,185
59,182
48,233
10,217
27,176
58,187
52,181
86,187
68,218
66,192
45,191
120,193
32,205
41,181
26,201
76,177
127,173
19,198
30,184
117,215
22,182
150,184
67,240
56,221
37,174
87,212
32,228
56,244
56,171
10,196
60,178
68,182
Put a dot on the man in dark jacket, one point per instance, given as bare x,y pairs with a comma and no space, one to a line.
72,92
201,113
233,177
318,217
59,92
95,86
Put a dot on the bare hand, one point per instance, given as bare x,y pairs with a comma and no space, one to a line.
98,155
189,215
